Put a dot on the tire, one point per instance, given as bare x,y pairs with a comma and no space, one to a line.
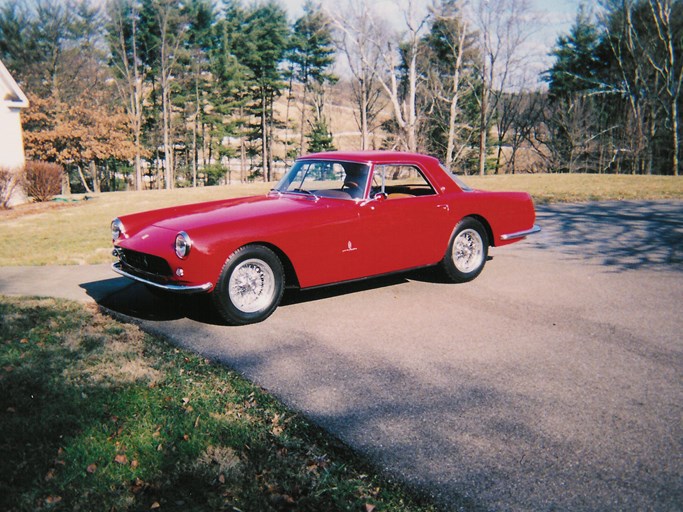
467,251
250,285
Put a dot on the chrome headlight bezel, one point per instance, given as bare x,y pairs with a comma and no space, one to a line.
183,245
117,229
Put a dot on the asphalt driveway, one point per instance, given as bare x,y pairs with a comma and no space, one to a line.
552,382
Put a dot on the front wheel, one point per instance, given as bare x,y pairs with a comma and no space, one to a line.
467,251
250,285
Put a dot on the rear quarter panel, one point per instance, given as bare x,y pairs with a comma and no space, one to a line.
505,212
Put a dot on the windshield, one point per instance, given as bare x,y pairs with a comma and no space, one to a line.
463,186
325,178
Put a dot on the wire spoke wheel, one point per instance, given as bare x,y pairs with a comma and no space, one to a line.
252,285
468,251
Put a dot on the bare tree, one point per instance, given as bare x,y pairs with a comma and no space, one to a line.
450,68
355,39
519,118
634,84
504,27
123,41
399,76
172,29
661,55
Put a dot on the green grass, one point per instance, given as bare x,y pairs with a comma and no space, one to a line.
96,415
79,233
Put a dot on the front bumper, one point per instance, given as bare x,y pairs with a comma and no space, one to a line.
202,288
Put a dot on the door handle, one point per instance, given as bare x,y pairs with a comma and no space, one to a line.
444,207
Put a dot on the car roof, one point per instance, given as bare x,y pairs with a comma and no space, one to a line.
377,157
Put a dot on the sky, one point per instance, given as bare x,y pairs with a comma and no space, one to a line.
557,17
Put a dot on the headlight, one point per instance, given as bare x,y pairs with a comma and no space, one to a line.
116,229
183,244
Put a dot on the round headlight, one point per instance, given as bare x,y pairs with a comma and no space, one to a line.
116,229
183,244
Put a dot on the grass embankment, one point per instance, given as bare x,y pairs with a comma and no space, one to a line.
78,233
97,415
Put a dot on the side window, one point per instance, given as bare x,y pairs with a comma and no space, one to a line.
401,181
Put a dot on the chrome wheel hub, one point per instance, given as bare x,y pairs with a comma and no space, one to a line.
468,251
252,285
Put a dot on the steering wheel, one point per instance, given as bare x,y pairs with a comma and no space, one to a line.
350,184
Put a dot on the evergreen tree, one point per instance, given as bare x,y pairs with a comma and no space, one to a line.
311,52
320,137
264,41
579,64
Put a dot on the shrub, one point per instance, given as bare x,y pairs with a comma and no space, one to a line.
8,182
43,180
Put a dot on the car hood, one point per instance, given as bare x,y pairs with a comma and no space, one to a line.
205,215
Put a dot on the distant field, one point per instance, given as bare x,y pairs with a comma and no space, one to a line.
78,232
567,188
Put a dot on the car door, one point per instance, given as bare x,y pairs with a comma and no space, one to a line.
408,222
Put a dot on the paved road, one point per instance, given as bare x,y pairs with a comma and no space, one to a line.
552,382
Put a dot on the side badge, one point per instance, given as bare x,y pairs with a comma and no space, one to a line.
350,247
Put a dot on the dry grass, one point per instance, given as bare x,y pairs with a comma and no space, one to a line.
78,233
565,188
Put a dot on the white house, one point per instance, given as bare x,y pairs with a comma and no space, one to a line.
12,100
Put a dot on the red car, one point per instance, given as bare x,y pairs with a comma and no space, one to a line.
333,217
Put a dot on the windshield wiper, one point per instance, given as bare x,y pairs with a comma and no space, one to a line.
300,192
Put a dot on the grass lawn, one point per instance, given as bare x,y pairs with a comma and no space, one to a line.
78,232
97,415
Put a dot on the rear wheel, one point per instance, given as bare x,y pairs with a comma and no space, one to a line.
467,251
250,286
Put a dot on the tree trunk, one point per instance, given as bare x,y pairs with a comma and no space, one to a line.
83,180
168,152
264,135
95,177
302,139
364,100
482,132
674,132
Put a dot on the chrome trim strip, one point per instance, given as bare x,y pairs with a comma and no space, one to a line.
521,234
116,267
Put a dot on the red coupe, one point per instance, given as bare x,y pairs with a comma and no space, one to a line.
333,217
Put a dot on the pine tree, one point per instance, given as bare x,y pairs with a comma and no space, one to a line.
311,52
579,64
264,41
320,137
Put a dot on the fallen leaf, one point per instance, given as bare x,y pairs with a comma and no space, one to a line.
91,468
369,507
155,505
138,486
134,464
221,478
51,500
50,475
121,459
